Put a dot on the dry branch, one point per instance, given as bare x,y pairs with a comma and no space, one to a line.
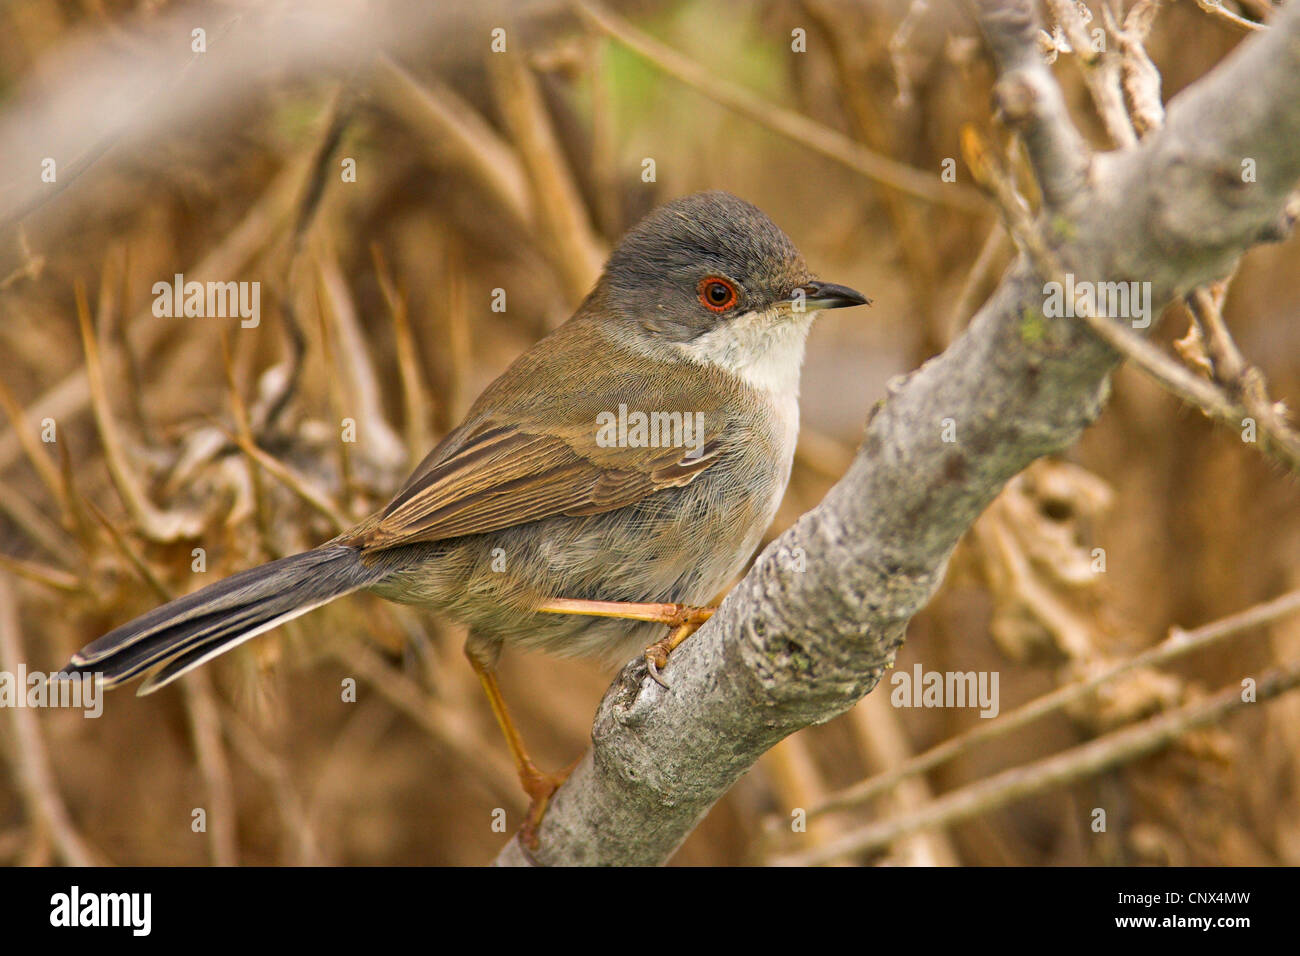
36,781
801,129
1178,644
1078,763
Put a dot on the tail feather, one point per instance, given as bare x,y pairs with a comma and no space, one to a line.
187,632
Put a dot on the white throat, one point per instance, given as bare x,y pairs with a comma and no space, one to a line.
762,348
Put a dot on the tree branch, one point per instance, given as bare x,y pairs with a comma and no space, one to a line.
791,648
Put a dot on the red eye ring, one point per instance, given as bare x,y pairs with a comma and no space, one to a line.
716,293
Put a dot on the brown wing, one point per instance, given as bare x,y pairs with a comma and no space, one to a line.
502,476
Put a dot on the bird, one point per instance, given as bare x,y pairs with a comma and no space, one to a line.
611,482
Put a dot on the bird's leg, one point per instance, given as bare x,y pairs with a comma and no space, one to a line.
539,786
684,619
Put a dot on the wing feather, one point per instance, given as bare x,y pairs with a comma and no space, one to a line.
497,477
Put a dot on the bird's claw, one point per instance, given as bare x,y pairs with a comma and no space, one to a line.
654,661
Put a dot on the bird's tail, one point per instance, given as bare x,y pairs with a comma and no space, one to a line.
181,635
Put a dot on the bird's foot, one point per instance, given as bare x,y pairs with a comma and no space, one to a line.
539,787
656,655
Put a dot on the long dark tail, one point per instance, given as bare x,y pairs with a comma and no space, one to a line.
181,635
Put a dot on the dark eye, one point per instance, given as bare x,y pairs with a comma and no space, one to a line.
717,294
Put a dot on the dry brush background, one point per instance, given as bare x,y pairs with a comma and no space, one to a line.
478,171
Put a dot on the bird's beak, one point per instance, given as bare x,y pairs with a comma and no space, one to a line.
813,296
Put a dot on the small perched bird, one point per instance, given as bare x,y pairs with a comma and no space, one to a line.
616,477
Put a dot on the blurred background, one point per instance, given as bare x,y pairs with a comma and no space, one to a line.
380,169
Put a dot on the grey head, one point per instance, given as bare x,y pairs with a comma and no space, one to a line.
697,263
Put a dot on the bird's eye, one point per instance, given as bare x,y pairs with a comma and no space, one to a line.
716,294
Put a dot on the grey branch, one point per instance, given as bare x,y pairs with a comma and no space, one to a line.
790,647
1029,101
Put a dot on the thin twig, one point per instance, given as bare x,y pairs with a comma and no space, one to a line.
454,333
1101,72
32,265
1141,78
377,441
562,218
289,802
874,125
296,483
449,728
416,403
1217,10
878,725
1078,763
797,127
453,131
1243,381
31,520
205,733
797,782
238,247
239,411
45,468
204,720
156,525
335,389
338,113
36,781
54,578
1178,644
994,249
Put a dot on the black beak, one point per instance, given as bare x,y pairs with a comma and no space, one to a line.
825,295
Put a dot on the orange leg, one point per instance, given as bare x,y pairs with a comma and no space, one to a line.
539,786
684,619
